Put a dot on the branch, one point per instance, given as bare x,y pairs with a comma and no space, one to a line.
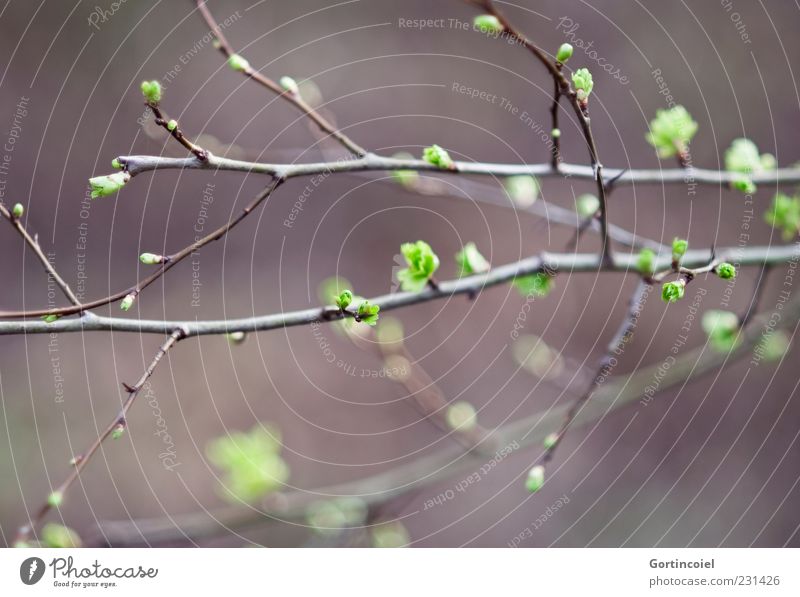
556,262
80,461
136,164
290,96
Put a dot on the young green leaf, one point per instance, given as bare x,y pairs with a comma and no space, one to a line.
471,261
102,186
679,247
671,131
784,213
368,313
583,82
564,53
743,157
726,271
422,263
672,292
151,90
537,285
56,535
722,328
344,299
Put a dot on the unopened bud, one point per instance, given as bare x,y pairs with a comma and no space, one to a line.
238,63
17,210
564,53
289,85
535,479
172,125
151,258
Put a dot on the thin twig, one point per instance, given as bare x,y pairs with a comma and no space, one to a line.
471,285
293,98
81,460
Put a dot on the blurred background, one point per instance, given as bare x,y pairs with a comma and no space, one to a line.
712,462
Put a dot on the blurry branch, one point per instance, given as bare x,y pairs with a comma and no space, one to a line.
615,393
115,429
554,262
136,164
289,95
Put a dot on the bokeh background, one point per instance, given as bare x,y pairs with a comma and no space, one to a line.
711,462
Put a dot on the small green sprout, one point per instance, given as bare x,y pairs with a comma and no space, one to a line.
151,259
587,205
743,157
344,299
646,262
550,441
582,79
726,271
116,164
50,318
127,302
461,416
103,186
439,157
422,263
535,479
488,24
290,85
17,211
151,90
722,328
538,285
172,125
238,63
471,261
671,131
679,247
784,213
368,313
564,53
118,431
672,292
237,338
55,499
523,189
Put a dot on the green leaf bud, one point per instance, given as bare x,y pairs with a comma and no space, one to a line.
422,263
550,441
236,337
52,317
488,24
151,258
407,178
151,90
172,125
582,79
679,247
439,157
127,302
773,346
535,479
587,205
238,63
368,313
555,133
722,328
290,85
55,499
17,211
344,299
390,534
537,285
471,261
102,186
784,213
564,53
118,431
646,262
672,292
116,164
726,271
671,131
